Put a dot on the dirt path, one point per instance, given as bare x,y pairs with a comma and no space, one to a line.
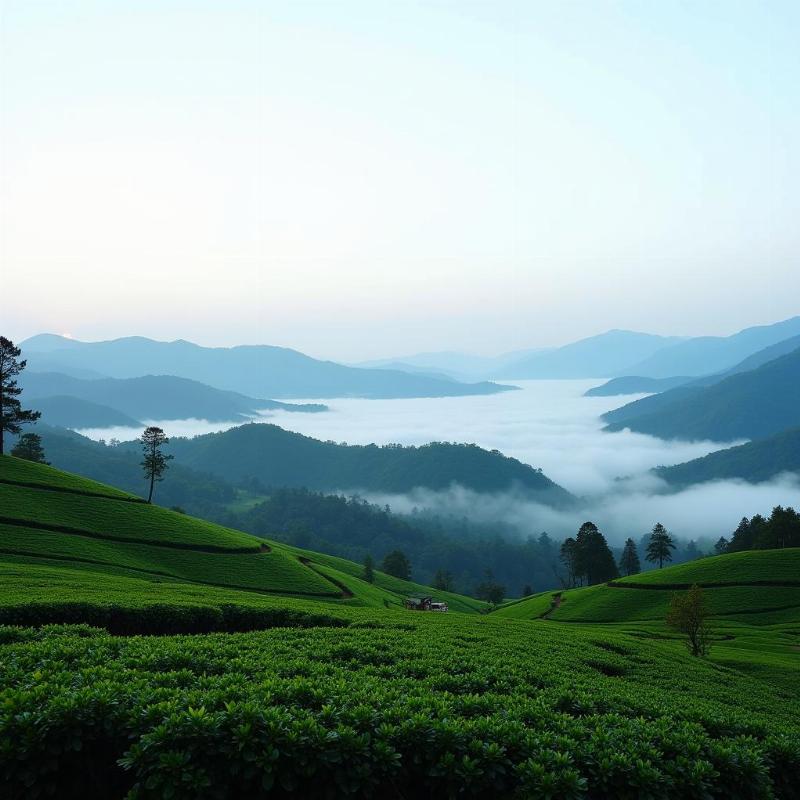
555,603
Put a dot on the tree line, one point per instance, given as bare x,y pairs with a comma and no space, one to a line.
588,559
780,529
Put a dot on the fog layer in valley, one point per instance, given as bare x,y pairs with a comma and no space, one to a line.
548,424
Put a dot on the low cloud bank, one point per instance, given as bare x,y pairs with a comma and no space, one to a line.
702,512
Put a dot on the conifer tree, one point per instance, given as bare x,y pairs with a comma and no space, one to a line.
12,415
629,563
29,447
660,546
155,461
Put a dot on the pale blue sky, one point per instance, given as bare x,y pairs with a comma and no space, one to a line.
358,179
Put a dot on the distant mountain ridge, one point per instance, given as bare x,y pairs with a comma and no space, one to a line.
744,405
150,397
754,462
253,370
606,355
635,384
705,355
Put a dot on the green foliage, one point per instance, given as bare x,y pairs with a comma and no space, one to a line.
12,415
755,462
660,546
688,613
118,520
593,558
629,560
432,708
756,587
443,579
490,590
29,447
274,571
154,460
397,564
50,517
369,569
351,528
277,457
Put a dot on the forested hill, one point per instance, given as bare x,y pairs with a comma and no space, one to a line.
277,457
748,405
754,462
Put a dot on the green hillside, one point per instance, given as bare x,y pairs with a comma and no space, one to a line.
54,519
754,462
756,586
302,680
277,457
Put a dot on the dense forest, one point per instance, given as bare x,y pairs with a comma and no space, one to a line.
277,457
753,462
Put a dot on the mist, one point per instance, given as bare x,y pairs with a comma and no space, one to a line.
547,424
702,513
550,424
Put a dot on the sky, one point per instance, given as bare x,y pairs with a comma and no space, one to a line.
363,179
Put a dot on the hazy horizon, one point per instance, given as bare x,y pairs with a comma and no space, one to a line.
357,180
430,350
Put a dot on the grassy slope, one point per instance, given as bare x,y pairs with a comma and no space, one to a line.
627,602
54,518
497,681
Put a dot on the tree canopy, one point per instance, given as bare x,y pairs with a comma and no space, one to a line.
12,415
660,545
155,460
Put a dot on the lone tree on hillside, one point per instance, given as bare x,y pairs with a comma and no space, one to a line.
629,560
12,415
688,614
397,564
29,447
369,569
660,545
155,462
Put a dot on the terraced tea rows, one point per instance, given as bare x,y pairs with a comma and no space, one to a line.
433,707
751,586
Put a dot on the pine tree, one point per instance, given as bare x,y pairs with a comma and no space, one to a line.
742,538
629,563
29,447
397,564
660,545
567,556
594,559
721,546
12,415
155,462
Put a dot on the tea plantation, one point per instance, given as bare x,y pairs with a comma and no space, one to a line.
144,654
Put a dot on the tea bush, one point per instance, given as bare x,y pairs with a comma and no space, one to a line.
428,707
